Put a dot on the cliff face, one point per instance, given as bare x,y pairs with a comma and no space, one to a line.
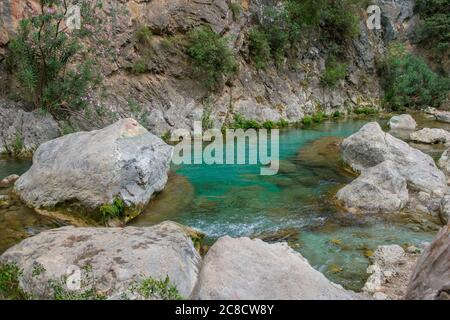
168,96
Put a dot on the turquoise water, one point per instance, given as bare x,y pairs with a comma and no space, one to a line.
296,205
236,200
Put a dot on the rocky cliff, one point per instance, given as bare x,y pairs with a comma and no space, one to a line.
167,96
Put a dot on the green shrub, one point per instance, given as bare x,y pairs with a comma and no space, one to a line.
319,117
9,282
307,120
365,110
150,288
241,123
269,125
213,59
435,29
337,114
144,35
259,48
282,123
409,82
113,211
39,58
334,72
139,67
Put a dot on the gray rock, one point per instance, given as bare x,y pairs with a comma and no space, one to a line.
444,163
443,116
402,122
252,269
371,146
431,277
89,169
444,212
110,260
431,136
389,272
22,132
377,189
8,181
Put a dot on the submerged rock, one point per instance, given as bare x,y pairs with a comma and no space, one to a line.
402,122
369,147
431,136
110,261
431,277
377,189
252,269
390,271
89,169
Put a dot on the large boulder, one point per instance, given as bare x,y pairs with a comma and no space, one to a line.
111,262
252,269
402,122
88,170
431,277
371,146
431,136
21,132
377,189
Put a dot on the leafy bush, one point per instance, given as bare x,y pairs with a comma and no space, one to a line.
139,67
435,30
144,35
269,125
241,123
282,123
307,120
409,82
39,57
212,57
157,289
9,282
319,117
259,48
113,211
334,72
284,28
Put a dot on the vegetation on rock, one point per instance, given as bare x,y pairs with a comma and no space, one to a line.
212,57
409,82
39,58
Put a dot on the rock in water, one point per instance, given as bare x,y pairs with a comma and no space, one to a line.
8,181
378,189
90,169
369,147
431,277
111,260
402,122
431,136
252,269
